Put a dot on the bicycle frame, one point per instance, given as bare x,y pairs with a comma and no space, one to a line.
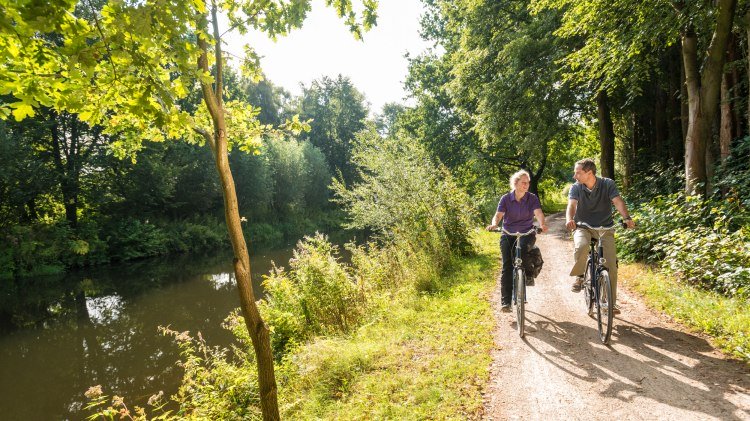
596,269
519,278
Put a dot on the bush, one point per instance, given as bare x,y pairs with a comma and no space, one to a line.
317,295
195,235
733,175
406,198
132,239
704,242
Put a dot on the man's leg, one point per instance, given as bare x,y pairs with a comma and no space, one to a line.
610,253
581,241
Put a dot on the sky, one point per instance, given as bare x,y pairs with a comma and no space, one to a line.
324,47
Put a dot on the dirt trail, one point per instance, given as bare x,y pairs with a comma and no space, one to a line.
653,370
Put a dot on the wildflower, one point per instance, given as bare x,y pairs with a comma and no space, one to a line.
183,336
155,399
117,401
93,392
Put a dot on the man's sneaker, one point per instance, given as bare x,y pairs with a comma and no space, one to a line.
529,281
505,308
577,284
616,310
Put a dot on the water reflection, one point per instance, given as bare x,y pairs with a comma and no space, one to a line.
60,335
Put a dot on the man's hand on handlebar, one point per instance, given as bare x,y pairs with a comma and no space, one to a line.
492,227
570,225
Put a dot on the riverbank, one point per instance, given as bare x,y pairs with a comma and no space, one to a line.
54,248
425,355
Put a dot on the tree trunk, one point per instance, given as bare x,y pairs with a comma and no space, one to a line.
703,94
674,106
257,328
606,136
726,119
660,122
747,31
684,109
536,176
65,157
734,85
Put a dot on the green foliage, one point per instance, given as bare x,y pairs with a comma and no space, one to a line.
49,248
704,242
733,175
196,235
657,179
402,365
214,386
338,111
316,296
404,196
131,238
613,54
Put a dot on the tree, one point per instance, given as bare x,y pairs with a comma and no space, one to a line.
338,111
127,65
624,41
704,89
506,82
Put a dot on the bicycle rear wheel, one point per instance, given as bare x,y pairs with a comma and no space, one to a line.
604,307
519,279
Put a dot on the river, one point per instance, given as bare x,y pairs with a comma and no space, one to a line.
61,335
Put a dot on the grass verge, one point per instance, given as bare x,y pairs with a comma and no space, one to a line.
423,356
726,320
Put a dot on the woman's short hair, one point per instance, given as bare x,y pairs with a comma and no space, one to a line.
517,176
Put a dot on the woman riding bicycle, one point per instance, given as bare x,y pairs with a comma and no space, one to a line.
517,210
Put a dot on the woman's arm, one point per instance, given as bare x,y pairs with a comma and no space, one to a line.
495,221
540,217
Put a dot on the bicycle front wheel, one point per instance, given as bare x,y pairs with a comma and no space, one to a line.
520,285
604,307
588,292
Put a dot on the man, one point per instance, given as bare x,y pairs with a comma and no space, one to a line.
590,200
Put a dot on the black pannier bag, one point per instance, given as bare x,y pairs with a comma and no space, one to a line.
532,261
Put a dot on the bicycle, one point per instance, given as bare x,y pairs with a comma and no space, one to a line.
519,278
596,283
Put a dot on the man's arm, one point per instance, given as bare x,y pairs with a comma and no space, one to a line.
495,221
622,208
570,213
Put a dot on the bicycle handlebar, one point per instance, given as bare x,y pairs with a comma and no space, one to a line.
520,234
609,228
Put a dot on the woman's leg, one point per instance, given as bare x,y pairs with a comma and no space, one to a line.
506,279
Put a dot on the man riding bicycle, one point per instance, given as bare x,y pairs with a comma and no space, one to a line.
590,200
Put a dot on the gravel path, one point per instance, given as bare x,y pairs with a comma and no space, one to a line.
654,369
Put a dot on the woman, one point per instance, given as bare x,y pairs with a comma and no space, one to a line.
517,210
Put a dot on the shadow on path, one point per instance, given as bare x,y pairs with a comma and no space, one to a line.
664,365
